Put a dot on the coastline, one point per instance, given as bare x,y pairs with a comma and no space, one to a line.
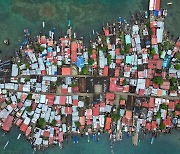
163,144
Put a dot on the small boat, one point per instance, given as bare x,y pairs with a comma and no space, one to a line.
43,24
146,14
60,145
169,3
152,140
18,136
88,138
6,144
120,20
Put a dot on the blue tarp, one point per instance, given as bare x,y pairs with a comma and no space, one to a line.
80,62
50,49
156,12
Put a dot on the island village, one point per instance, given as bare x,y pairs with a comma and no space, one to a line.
126,82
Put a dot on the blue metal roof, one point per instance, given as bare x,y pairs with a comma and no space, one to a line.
50,49
80,62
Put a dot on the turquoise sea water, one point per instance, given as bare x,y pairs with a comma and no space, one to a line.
165,144
86,15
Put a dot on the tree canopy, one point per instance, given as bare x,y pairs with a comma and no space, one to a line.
162,126
158,80
41,123
177,66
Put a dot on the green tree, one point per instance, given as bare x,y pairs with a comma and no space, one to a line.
41,123
77,124
164,106
90,61
55,63
85,70
124,82
41,49
29,96
27,65
90,51
153,52
128,46
177,66
122,52
173,80
109,59
158,115
53,123
162,126
158,80
29,109
178,105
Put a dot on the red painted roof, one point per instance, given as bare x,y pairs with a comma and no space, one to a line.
167,122
94,54
117,51
154,41
153,32
66,71
126,88
46,133
74,47
145,104
20,105
141,92
43,40
110,96
95,111
153,125
128,114
50,99
62,100
148,126
157,5
34,106
19,122
68,110
105,70
122,102
23,127
60,137
112,84
171,105
117,70
147,84
108,123
151,102
165,85
28,131
7,123
88,113
75,102
106,32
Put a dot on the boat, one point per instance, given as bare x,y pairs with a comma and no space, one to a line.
152,140
60,145
6,144
19,136
88,138
120,20
146,14
169,3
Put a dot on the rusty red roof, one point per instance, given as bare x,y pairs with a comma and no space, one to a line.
7,123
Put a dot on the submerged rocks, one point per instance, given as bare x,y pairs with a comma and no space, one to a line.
6,41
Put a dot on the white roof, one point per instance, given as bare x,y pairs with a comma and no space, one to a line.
14,70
